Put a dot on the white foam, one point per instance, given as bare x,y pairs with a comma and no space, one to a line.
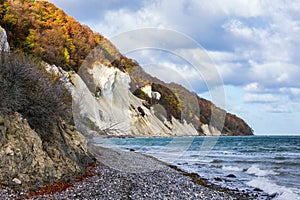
259,172
271,188
232,168
229,153
205,161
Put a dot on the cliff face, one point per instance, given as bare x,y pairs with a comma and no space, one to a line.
103,104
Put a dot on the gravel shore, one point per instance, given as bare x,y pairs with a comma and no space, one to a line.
130,175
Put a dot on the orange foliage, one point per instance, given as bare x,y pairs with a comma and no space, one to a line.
41,29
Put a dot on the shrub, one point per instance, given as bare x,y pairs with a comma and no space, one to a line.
26,87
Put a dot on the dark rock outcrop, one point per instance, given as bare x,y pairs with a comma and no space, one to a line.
28,162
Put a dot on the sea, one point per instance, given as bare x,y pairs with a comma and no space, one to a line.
268,163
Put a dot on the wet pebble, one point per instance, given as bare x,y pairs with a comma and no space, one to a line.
231,176
162,184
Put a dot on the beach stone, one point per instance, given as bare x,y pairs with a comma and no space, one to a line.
120,160
9,151
106,182
218,179
231,176
257,190
273,195
17,181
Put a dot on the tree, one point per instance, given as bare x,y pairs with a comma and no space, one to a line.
41,29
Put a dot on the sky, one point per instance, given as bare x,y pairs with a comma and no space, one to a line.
253,44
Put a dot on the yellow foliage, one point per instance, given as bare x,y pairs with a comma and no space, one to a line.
66,56
41,29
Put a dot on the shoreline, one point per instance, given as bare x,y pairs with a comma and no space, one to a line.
170,136
130,175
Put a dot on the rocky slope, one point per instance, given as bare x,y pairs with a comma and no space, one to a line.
27,161
36,145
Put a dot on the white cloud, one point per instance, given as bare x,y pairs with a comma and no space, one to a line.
295,91
239,109
237,28
221,56
246,8
276,109
262,35
203,65
275,73
260,98
291,92
253,87
170,72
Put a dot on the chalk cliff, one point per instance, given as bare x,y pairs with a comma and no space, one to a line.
103,104
4,46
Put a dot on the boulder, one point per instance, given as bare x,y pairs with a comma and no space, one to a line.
231,176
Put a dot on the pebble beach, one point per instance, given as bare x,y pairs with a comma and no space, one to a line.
129,175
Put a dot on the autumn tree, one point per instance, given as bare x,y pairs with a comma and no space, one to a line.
41,29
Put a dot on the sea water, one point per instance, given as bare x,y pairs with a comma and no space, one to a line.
270,163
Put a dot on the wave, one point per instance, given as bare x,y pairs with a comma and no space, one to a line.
259,172
285,163
275,163
251,170
271,188
217,166
233,168
247,161
229,153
